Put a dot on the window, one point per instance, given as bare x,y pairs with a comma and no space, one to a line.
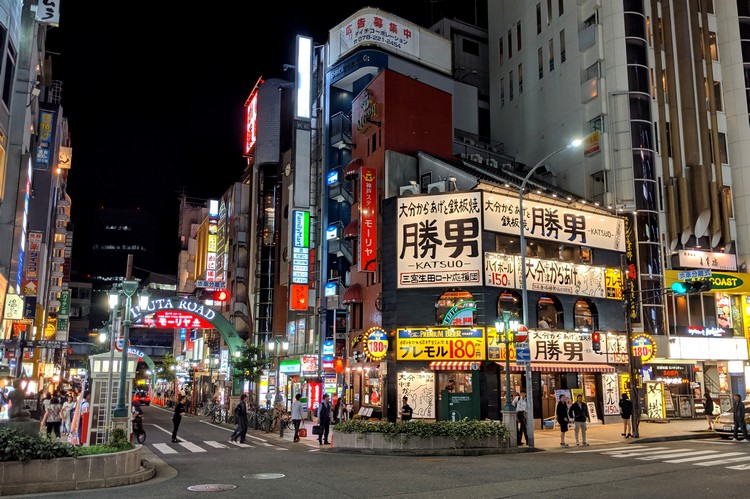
717,96
549,11
520,79
509,300
585,316
596,125
10,69
726,196
592,71
549,313
551,50
723,157
518,36
502,91
500,49
540,59
560,7
470,47
562,46
538,18
712,47
510,85
456,307
510,44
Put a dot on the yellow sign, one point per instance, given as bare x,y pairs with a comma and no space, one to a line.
441,343
496,347
721,282
376,344
50,328
613,283
644,346
625,384
591,144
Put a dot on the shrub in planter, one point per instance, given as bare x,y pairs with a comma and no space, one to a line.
464,429
17,446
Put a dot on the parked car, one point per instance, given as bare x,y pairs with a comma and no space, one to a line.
142,397
724,423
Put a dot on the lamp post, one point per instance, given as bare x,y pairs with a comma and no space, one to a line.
524,292
276,348
114,296
128,290
509,411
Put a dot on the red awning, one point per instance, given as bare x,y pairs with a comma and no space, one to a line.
351,231
353,294
352,169
454,365
564,367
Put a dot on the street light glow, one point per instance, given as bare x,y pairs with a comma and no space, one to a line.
576,142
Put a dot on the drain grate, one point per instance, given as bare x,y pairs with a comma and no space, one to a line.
211,487
264,476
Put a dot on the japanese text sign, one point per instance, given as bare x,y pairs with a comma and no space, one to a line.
368,221
441,343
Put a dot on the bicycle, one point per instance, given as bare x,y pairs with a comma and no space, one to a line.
216,415
207,409
138,432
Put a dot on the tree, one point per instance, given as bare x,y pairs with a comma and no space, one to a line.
250,364
165,369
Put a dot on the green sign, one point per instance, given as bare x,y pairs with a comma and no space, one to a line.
64,310
62,323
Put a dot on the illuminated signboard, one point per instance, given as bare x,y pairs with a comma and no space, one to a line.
31,271
298,290
553,346
45,140
368,220
309,364
655,406
24,225
211,243
440,343
167,319
304,77
376,344
644,346
251,121
332,178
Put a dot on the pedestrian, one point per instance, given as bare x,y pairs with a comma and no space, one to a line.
580,413
406,410
68,407
297,415
177,418
324,420
708,407
53,416
337,410
269,398
626,412
521,430
240,415
561,412
739,417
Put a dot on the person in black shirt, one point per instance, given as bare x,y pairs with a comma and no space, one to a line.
626,412
406,410
177,418
561,412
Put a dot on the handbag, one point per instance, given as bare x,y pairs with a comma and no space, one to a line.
302,433
316,430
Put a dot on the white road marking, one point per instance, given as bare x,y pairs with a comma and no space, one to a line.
214,444
608,450
678,454
162,429
712,442
639,452
739,467
164,449
192,447
702,458
239,444
724,461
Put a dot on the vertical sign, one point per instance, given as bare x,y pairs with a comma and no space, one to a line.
46,133
251,122
212,241
31,271
611,394
298,289
304,77
64,311
368,220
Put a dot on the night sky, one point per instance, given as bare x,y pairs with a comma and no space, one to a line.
154,94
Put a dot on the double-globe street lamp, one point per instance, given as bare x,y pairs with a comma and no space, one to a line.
127,290
524,292
508,327
277,347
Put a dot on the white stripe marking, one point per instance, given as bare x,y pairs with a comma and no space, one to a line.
162,429
192,447
214,444
678,454
164,449
608,450
739,467
724,461
701,458
238,444
639,452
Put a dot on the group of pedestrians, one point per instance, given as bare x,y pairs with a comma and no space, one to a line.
578,412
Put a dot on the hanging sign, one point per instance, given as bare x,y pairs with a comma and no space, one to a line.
376,344
644,346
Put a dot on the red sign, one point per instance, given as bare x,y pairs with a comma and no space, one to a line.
298,296
251,122
316,391
522,334
168,319
368,220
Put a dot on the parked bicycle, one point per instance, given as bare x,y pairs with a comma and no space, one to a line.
208,408
218,415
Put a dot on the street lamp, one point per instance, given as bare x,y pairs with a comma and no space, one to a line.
212,361
508,327
277,347
128,290
524,292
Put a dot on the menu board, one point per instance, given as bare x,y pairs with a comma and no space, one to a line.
420,388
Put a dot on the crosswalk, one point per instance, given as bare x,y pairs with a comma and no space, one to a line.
207,445
734,456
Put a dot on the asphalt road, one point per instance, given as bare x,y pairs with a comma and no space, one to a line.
271,467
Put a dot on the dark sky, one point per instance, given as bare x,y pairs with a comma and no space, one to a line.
154,94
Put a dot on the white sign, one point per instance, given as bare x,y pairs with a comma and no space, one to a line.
554,223
611,394
439,240
707,260
376,29
708,348
211,284
13,307
563,346
420,388
545,275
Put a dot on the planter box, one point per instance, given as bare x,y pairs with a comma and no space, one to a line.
379,442
69,473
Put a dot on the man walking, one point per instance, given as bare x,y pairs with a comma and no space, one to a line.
739,417
580,414
240,415
324,420
297,415
521,419
177,418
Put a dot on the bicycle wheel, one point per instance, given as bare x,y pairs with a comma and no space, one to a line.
266,424
141,436
230,418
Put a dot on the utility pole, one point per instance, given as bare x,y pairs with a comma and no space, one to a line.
633,362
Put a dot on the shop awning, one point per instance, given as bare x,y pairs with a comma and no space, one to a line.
351,231
352,168
454,365
564,367
353,294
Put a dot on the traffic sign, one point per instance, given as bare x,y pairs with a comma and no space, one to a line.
523,354
522,334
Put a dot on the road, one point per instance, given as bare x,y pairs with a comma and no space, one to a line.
270,467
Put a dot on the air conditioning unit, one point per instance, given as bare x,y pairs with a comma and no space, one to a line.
476,157
441,186
408,190
492,162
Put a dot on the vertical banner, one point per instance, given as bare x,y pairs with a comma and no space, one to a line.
46,142
655,408
31,265
611,394
298,289
368,216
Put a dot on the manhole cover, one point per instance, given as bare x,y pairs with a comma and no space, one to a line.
211,487
264,476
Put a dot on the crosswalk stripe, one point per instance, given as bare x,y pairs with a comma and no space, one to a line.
608,450
239,444
192,447
678,454
215,444
742,467
724,461
265,444
164,449
701,458
639,452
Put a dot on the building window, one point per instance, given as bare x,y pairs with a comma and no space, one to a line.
562,46
470,47
723,157
560,7
592,71
502,91
712,47
456,307
585,316
518,36
520,79
717,96
540,60
549,11
10,70
510,44
551,50
549,313
510,301
501,57
596,125
510,85
538,18
726,195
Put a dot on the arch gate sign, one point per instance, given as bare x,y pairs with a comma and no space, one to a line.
196,309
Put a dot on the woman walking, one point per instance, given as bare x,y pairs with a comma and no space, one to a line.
53,416
626,412
561,411
177,418
708,405
68,408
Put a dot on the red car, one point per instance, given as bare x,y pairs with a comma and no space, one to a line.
142,398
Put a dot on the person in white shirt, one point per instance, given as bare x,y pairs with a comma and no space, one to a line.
297,415
521,419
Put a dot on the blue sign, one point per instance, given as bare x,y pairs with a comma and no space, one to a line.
523,354
183,332
332,178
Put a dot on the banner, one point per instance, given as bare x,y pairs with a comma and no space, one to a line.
440,343
368,221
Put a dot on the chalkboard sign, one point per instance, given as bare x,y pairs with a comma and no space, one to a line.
420,388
